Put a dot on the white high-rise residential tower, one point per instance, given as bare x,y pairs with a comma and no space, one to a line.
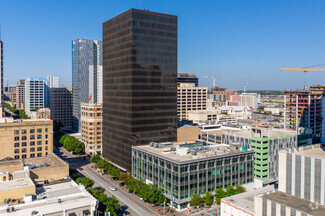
52,81
87,63
34,94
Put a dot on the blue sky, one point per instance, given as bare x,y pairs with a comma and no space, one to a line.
240,41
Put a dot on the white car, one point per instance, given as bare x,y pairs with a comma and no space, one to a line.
112,188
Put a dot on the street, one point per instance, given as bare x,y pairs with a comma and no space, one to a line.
135,207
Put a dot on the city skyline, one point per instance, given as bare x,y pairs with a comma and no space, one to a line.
249,41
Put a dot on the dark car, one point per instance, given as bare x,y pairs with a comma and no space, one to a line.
113,178
122,184
130,191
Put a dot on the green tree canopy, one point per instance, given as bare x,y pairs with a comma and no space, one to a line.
87,182
219,193
95,159
230,190
196,200
208,198
239,189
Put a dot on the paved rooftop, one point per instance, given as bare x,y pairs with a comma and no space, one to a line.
50,160
15,184
246,200
295,202
71,195
180,153
312,151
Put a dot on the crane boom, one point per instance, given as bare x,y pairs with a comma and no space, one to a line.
303,69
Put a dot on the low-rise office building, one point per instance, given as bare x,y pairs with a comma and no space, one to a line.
30,138
239,112
185,169
92,128
266,142
49,168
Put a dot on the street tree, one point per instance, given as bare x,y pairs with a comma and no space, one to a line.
208,198
196,200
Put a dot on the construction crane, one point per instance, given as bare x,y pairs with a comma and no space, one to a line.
305,70
214,79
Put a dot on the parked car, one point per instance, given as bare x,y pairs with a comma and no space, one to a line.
130,191
112,188
113,178
122,184
80,169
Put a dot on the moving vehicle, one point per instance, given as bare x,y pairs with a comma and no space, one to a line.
112,188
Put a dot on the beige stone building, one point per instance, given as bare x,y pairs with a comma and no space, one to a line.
92,128
190,98
20,94
30,138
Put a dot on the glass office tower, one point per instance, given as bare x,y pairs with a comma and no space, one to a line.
86,75
139,82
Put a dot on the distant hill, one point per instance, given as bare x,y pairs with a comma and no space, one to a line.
263,92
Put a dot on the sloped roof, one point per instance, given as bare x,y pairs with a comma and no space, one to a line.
235,108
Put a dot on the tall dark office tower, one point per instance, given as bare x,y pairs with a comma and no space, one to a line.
139,82
1,80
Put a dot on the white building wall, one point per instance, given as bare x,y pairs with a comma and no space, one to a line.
231,210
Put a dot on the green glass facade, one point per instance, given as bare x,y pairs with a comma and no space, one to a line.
181,179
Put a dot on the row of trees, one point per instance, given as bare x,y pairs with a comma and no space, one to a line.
106,166
148,192
197,200
106,204
72,144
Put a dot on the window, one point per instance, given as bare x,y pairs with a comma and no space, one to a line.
23,156
16,132
39,142
46,148
39,136
39,130
16,151
46,142
23,138
23,131
16,138
32,137
32,143
46,136
16,144
32,149
39,148
24,150
32,130
32,155
39,154
23,144
46,130
16,156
